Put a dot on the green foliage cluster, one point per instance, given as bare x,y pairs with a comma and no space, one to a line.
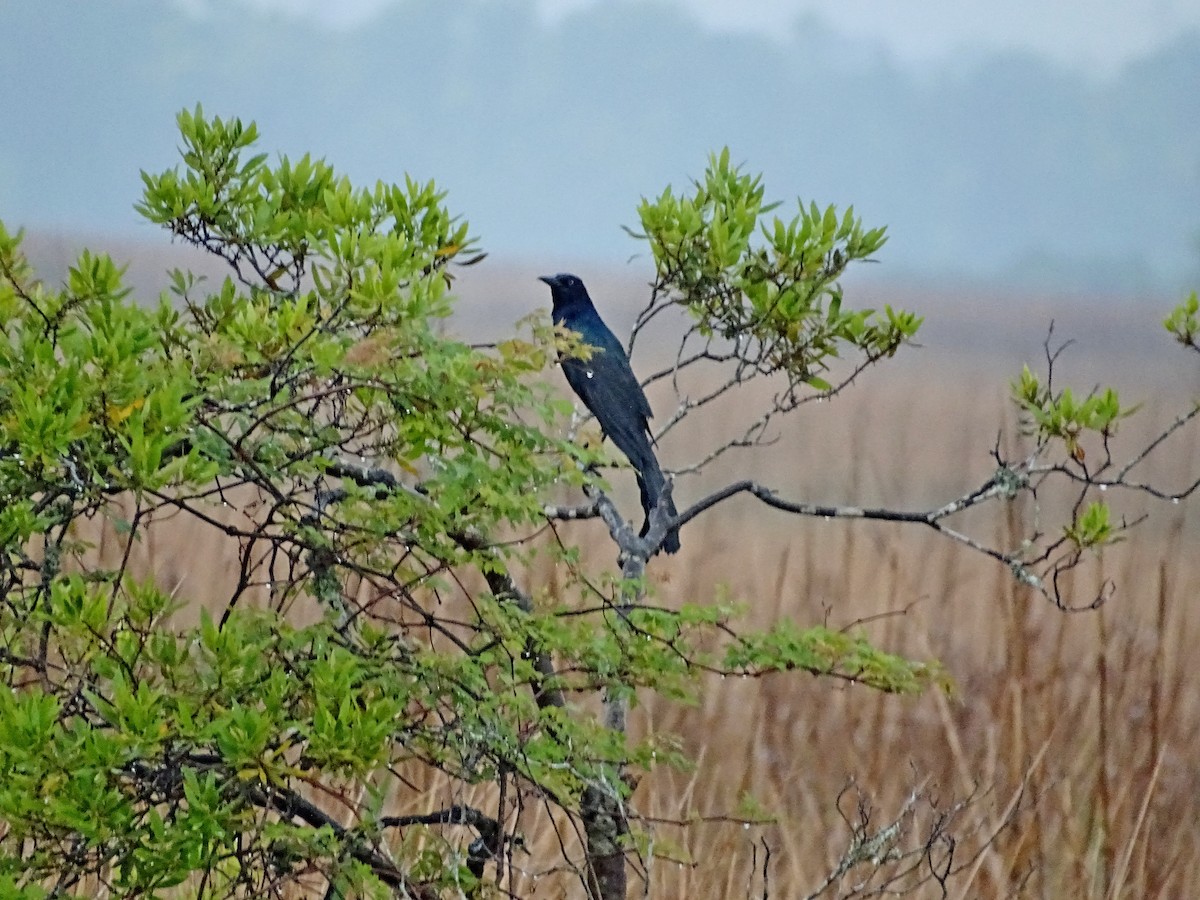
1182,323
366,467
1060,416
768,284
842,654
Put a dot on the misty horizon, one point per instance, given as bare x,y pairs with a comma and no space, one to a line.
546,131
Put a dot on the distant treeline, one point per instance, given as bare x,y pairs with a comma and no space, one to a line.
546,136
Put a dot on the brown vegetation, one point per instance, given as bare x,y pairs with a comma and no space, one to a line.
1075,730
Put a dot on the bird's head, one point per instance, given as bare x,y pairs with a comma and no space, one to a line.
566,291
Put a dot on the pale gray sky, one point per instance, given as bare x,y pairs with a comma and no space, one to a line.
1080,33
1089,35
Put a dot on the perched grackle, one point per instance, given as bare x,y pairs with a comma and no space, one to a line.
607,386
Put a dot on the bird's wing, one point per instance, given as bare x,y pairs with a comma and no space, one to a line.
607,386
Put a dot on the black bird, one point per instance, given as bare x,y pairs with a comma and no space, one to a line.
607,386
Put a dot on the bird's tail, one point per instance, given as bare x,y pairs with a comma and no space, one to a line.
651,482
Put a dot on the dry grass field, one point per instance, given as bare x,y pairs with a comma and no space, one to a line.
1079,730
1073,735
1074,738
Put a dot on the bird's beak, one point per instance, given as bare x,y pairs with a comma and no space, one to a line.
549,279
